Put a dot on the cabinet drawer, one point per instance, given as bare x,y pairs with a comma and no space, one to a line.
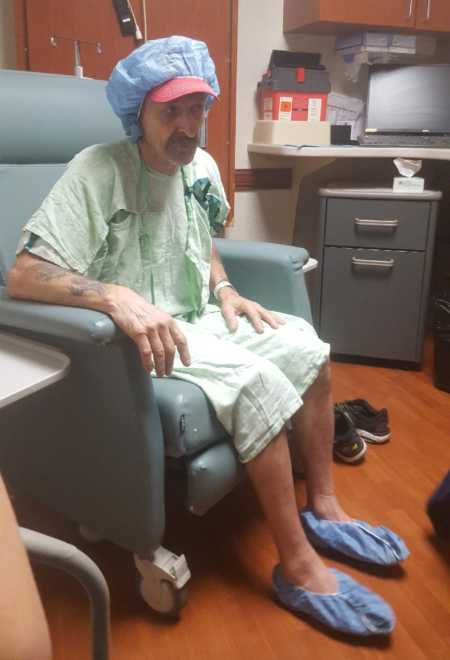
401,225
372,309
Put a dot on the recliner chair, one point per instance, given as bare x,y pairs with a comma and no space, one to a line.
107,433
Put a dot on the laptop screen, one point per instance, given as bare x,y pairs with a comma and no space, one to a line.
409,98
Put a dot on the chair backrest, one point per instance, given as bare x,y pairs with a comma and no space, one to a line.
45,119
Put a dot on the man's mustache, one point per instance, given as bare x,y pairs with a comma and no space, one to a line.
182,140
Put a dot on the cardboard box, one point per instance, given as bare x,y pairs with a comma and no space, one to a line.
291,132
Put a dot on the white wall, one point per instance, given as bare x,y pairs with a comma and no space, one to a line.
7,35
268,215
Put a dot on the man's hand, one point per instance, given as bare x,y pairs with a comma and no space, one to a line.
233,305
155,332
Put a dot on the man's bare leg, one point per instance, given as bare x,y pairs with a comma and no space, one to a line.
271,475
313,432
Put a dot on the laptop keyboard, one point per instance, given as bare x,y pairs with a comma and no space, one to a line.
388,140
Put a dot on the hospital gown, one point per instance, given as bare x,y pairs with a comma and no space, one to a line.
113,219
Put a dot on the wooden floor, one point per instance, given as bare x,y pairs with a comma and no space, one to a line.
230,613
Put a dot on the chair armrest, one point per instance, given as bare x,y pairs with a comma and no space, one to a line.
57,321
270,273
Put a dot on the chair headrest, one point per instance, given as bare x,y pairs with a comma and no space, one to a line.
48,118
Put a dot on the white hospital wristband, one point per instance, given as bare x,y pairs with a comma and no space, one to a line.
219,286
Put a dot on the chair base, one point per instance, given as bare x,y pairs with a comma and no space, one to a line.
164,579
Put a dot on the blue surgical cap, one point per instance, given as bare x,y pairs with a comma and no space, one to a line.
150,65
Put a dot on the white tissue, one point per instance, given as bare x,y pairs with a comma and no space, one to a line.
407,167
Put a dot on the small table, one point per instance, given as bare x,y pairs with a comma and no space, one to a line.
26,367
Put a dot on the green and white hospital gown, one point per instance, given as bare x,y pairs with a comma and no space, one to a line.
111,218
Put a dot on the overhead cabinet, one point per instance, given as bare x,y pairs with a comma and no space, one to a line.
330,16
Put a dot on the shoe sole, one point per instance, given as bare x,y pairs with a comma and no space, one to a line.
351,459
372,437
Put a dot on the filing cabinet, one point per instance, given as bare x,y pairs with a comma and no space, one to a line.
375,250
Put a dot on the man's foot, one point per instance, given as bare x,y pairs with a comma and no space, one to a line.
354,539
350,609
310,573
328,507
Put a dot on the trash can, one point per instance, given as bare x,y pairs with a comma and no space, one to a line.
441,331
438,508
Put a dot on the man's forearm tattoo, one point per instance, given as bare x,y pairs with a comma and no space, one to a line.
80,285
47,272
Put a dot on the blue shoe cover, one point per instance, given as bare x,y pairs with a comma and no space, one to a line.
352,609
355,539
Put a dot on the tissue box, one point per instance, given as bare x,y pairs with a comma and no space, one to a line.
386,44
412,44
404,184
368,40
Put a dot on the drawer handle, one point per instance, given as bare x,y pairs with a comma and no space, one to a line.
373,263
379,224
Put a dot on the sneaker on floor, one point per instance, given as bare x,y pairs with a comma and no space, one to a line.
370,424
348,446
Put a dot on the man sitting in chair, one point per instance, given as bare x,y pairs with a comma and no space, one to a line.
127,231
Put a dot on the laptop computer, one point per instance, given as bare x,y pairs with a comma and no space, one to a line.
408,106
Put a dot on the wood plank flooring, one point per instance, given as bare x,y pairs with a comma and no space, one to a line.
230,613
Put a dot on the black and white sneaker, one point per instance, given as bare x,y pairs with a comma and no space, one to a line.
371,424
348,446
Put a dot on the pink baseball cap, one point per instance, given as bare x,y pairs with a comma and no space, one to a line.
180,86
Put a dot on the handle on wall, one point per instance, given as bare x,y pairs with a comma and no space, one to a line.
372,223
373,263
78,69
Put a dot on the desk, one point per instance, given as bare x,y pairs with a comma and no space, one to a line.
313,167
344,151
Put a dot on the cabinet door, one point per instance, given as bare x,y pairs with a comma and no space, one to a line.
433,15
326,15
383,12
371,302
